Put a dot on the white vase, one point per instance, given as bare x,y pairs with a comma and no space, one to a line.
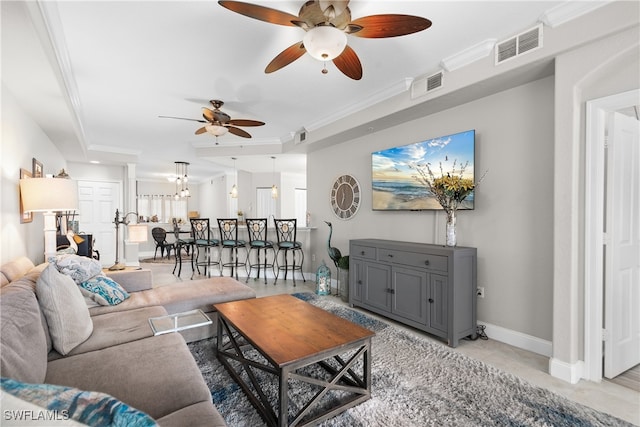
451,228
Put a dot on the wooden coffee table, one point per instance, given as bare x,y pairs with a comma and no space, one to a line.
296,341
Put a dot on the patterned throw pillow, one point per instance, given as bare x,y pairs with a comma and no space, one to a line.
103,290
79,268
88,407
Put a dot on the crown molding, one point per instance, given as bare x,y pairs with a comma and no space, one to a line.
569,11
468,55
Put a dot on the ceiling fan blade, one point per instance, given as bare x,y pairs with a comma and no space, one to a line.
245,122
207,114
182,118
286,57
201,131
349,63
261,13
390,25
238,132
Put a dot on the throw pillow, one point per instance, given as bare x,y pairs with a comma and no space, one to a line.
88,407
79,268
64,308
103,290
22,336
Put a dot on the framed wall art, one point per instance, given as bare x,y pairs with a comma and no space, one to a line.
25,217
38,169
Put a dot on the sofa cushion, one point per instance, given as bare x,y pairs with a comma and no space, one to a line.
117,328
64,308
185,296
88,407
157,375
202,414
17,268
79,268
103,290
22,336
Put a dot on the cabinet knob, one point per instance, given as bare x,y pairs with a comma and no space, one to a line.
359,282
430,300
391,291
363,253
390,255
426,262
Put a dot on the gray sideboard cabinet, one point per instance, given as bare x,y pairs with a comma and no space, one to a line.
429,287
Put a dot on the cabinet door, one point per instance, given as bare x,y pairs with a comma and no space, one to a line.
409,296
377,286
438,302
356,280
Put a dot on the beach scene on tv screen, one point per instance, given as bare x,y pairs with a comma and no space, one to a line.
394,182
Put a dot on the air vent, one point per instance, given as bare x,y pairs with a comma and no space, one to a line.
434,81
519,45
300,136
422,85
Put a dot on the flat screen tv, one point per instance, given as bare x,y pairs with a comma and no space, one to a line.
394,182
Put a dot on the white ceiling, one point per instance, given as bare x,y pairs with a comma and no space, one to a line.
96,75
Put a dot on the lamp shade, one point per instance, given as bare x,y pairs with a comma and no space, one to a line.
137,233
49,194
325,42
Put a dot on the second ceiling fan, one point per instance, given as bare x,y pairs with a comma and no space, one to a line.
218,123
327,23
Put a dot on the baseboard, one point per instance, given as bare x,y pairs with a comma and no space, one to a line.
518,339
569,372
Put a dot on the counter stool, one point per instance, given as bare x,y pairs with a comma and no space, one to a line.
203,239
229,240
257,228
286,230
179,245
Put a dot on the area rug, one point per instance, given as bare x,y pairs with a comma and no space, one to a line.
416,383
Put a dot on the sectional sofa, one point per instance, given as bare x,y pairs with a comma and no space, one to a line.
57,347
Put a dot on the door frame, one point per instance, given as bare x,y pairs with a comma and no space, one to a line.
597,112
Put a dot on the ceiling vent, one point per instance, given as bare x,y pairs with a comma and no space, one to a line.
300,136
423,85
524,42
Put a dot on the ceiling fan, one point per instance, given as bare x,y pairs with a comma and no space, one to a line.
327,23
218,123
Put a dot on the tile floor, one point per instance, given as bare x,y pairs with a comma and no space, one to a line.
607,397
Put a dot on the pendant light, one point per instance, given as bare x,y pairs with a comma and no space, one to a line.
234,189
274,188
181,178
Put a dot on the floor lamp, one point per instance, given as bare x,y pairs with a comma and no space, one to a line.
137,234
49,195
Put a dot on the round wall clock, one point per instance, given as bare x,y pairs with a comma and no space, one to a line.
345,196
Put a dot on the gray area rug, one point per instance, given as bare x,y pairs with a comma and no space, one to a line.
415,383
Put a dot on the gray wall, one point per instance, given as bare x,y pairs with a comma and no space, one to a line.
512,224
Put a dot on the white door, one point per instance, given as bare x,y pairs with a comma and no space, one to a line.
98,202
622,268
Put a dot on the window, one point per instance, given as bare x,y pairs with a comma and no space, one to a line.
164,207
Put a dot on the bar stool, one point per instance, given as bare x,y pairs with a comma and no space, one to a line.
179,245
202,239
257,228
286,230
229,240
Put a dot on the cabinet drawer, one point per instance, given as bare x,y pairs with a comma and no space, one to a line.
366,252
415,259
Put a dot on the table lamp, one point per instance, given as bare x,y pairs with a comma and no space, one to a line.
49,195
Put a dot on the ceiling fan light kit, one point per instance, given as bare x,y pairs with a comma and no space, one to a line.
216,130
325,43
